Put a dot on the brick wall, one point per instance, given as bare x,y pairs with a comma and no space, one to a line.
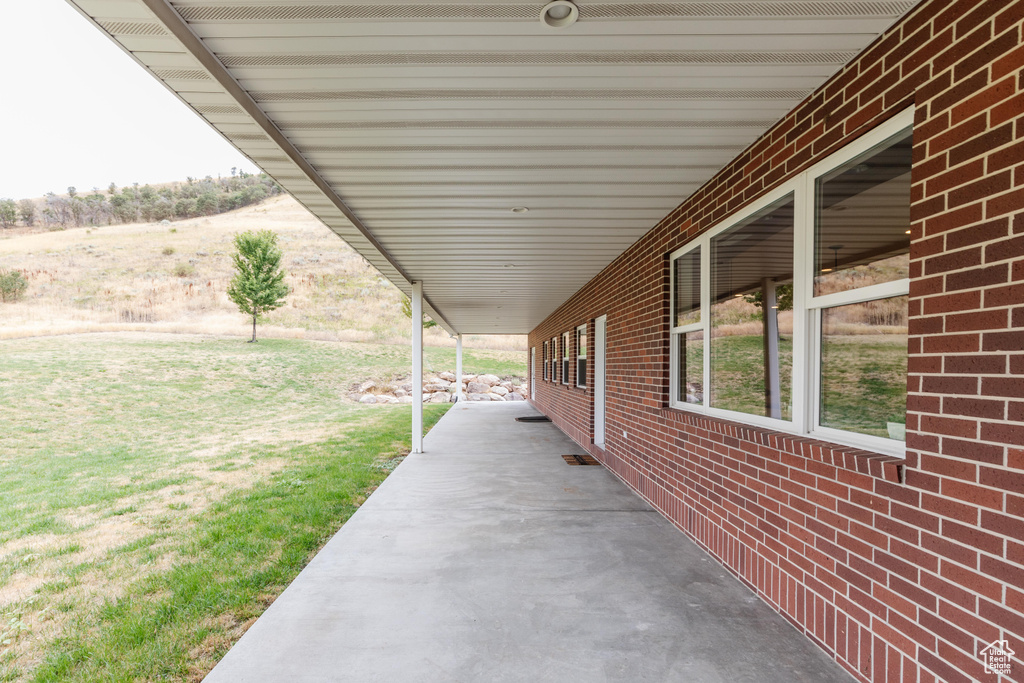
903,571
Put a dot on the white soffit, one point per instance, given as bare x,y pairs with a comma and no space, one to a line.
413,128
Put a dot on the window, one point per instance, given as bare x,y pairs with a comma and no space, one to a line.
565,358
793,314
554,359
581,356
544,360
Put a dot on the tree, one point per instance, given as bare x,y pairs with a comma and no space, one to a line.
27,211
407,311
8,212
12,285
258,285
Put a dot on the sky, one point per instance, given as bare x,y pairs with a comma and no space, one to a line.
75,110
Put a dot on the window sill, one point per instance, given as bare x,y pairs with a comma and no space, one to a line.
887,467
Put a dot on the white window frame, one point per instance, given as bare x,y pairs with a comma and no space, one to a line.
807,308
566,357
555,360
582,329
544,360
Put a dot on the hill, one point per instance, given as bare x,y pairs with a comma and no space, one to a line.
172,277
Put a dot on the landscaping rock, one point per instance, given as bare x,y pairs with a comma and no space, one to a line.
366,386
434,387
489,380
468,378
499,390
506,385
405,399
447,376
479,397
400,392
495,397
514,397
368,399
440,397
478,388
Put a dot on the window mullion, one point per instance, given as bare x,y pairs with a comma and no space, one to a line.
705,315
803,346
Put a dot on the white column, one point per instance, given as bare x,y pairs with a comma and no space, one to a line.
417,367
458,367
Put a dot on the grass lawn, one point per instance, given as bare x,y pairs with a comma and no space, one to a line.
156,493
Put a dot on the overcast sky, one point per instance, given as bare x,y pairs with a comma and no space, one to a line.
76,110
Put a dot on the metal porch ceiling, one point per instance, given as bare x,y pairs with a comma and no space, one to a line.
412,129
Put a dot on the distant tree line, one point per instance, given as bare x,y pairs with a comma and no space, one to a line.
136,204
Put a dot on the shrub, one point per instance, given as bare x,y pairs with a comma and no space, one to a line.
184,270
12,285
168,251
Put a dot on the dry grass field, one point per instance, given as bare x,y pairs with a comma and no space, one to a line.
173,278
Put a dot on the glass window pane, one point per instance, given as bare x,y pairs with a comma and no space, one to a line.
863,220
864,367
687,289
751,352
691,367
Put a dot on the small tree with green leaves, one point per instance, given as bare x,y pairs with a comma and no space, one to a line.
12,285
258,285
407,311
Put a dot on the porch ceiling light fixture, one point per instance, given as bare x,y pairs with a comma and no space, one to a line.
559,14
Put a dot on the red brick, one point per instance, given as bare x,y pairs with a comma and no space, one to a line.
977,320
975,365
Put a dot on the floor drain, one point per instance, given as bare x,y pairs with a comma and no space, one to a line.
579,460
533,418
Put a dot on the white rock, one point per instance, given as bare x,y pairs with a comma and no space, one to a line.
368,399
506,385
489,380
405,399
495,397
426,397
479,397
354,396
478,388
439,397
499,390
468,378
366,386
390,399
434,387
514,396
400,392
454,387
447,376
407,387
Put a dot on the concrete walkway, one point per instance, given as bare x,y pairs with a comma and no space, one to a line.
487,558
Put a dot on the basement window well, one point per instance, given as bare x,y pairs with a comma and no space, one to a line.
812,344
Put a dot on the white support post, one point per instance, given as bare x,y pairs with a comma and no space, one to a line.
417,367
458,368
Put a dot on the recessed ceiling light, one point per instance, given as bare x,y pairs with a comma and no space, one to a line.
559,14
906,232
519,209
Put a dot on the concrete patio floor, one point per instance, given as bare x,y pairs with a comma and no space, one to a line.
488,558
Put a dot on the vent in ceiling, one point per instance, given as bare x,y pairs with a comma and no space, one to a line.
760,124
774,9
441,168
540,58
371,12
500,149
535,94
249,137
182,74
218,109
529,12
133,28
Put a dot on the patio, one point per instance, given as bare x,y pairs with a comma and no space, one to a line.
477,563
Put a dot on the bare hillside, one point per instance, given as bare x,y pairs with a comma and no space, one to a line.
172,278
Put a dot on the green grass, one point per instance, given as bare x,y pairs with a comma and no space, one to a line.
157,494
863,379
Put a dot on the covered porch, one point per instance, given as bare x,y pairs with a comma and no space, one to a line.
475,563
